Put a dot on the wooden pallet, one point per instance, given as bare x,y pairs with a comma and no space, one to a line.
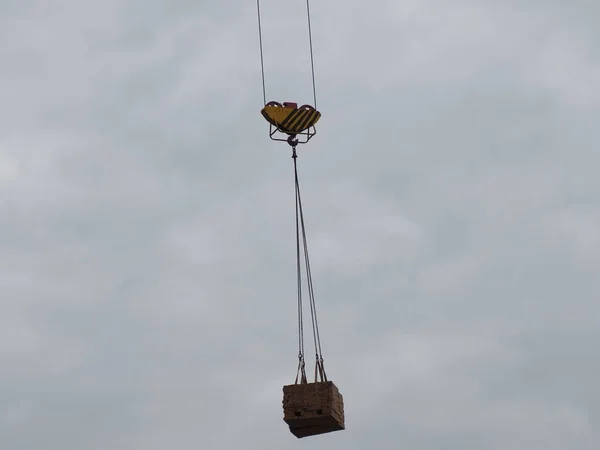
313,408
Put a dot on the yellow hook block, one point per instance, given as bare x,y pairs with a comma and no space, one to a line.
290,119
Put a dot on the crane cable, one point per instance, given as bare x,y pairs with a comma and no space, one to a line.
262,60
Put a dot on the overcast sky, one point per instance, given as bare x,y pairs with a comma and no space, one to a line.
452,203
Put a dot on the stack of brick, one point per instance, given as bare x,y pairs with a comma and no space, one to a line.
313,408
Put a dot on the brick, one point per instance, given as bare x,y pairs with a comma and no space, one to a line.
313,408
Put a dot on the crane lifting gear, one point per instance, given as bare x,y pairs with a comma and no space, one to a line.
309,408
291,120
288,118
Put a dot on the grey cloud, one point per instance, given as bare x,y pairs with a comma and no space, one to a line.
146,224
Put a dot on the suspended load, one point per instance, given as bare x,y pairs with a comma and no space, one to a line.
313,408
309,409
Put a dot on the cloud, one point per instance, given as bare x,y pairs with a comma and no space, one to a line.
147,264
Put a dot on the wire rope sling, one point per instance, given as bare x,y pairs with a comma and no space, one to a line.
309,408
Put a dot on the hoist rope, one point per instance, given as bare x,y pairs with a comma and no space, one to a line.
312,60
262,61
